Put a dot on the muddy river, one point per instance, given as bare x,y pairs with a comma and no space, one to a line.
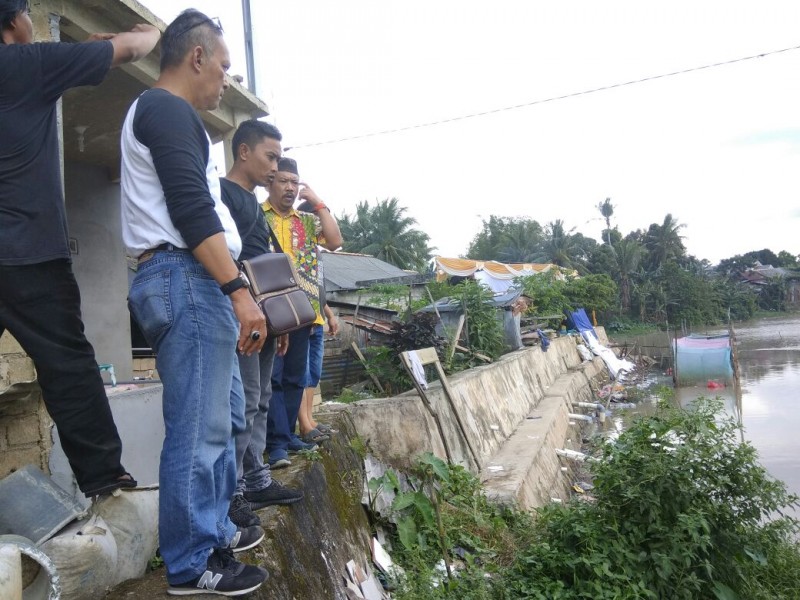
769,407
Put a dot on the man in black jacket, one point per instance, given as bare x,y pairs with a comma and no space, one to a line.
39,298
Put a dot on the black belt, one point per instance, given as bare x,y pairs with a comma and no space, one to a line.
148,254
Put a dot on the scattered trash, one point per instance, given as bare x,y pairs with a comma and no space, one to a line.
494,427
495,468
578,489
46,508
363,583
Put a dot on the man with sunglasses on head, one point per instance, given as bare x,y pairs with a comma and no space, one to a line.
39,297
193,306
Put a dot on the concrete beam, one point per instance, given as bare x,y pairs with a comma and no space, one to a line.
81,19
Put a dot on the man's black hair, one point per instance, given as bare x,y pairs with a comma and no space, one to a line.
9,10
251,132
190,29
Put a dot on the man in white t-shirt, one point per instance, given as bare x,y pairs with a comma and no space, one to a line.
193,306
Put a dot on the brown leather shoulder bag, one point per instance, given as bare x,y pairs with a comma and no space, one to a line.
273,282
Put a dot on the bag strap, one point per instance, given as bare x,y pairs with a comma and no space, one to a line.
275,243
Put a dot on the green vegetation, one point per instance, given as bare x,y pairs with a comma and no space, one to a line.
681,510
384,231
483,330
655,280
346,396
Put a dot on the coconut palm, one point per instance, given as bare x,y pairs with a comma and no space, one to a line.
663,242
559,246
628,254
607,210
520,242
384,231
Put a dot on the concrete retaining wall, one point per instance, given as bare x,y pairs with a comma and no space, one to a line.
495,403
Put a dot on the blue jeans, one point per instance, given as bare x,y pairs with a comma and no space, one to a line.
316,345
288,379
191,326
256,371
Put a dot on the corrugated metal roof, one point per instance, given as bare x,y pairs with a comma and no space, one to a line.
345,271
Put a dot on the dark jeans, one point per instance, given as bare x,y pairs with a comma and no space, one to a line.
288,384
40,305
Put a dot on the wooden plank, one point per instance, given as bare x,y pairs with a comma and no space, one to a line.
483,357
363,360
457,336
404,358
427,356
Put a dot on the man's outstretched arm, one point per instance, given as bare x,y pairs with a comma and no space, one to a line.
131,46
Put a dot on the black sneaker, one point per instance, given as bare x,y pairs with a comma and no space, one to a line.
274,493
224,576
241,514
246,538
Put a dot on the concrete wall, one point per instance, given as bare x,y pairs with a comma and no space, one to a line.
514,412
93,215
491,400
138,416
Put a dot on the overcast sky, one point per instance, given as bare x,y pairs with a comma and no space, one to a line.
718,148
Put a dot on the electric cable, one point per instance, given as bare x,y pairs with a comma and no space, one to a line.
540,101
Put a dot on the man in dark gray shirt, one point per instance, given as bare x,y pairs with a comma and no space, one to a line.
39,297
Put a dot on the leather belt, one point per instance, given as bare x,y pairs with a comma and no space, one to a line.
148,254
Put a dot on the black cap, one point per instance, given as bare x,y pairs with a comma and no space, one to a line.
288,165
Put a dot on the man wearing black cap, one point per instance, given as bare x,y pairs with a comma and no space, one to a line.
299,234
39,298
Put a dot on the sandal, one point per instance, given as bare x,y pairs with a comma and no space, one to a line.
125,481
326,429
315,436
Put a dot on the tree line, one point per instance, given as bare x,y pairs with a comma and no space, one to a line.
645,275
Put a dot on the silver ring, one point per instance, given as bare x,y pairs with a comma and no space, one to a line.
255,336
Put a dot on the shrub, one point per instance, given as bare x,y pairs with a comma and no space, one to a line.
682,510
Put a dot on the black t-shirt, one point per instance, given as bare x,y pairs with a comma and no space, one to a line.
33,77
249,218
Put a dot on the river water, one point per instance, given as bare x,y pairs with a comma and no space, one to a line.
769,407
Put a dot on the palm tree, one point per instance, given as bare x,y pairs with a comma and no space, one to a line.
663,242
384,232
628,254
607,210
558,246
520,242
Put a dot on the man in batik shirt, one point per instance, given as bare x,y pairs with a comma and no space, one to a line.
299,234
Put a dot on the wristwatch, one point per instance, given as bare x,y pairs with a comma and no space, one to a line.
240,282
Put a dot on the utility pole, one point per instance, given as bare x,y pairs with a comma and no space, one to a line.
248,46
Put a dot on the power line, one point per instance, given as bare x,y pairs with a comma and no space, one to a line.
542,101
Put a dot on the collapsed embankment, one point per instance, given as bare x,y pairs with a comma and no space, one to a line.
515,414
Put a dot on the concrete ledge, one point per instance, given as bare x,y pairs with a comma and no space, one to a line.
530,467
491,400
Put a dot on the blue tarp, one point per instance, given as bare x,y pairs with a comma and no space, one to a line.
579,321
